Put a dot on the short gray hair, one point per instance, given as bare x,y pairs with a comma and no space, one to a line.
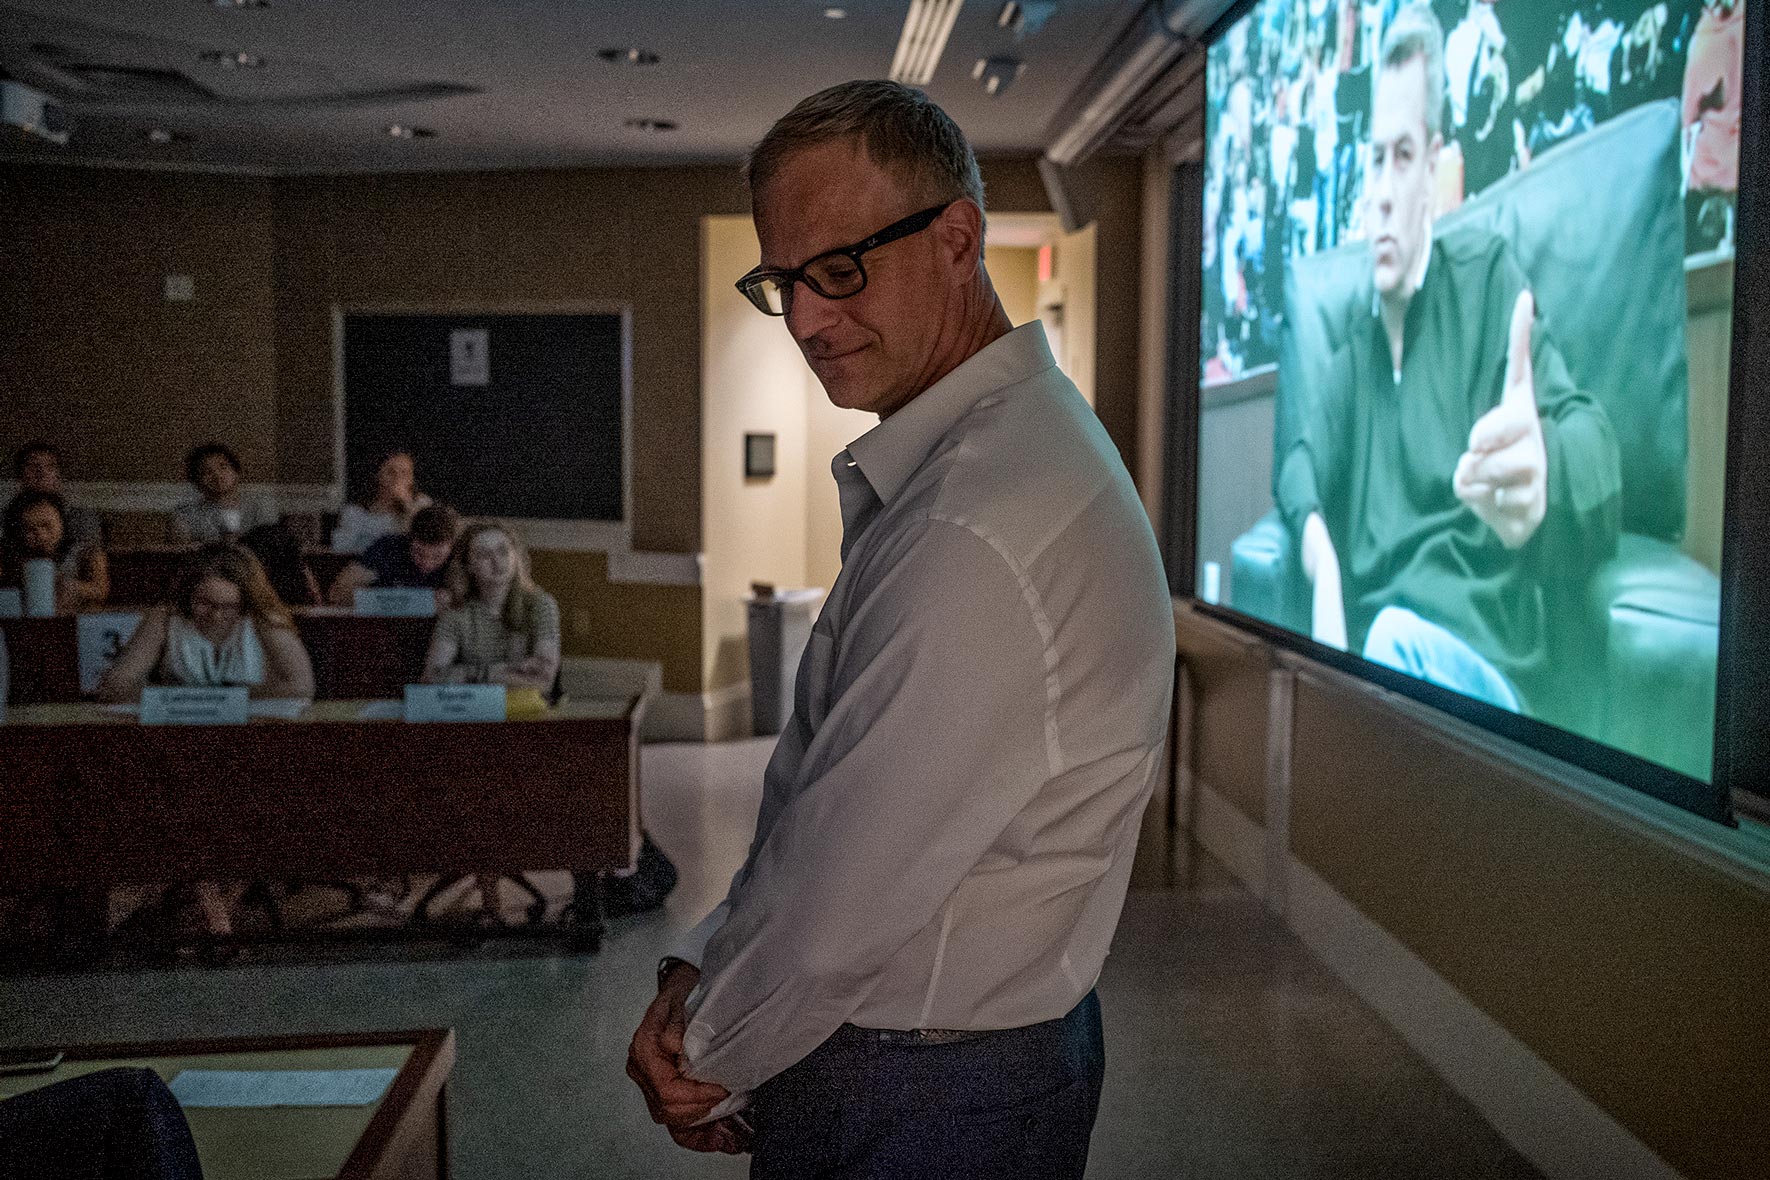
1415,32
899,128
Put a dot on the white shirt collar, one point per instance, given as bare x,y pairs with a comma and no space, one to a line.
890,452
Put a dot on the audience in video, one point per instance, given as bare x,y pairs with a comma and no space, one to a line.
1291,105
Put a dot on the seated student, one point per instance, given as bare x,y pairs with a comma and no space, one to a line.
278,550
387,508
505,629
222,511
418,558
224,626
35,527
37,467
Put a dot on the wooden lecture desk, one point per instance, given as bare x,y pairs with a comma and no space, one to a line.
401,1136
91,798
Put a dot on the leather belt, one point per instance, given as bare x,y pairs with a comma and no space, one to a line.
915,1036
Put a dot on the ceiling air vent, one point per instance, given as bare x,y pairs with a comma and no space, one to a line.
925,30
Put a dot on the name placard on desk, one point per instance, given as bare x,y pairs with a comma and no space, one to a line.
454,702
193,706
99,640
395,602
12,604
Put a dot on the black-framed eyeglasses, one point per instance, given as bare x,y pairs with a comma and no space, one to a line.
834,274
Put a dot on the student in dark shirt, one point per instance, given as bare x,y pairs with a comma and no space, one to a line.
1450,471
417,558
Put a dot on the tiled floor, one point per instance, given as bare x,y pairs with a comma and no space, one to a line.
1231,1052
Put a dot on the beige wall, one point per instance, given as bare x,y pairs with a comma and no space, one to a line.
624,620
489,240
754,381
96,359
1014,271
1625,958
1076,281
1114,195
127,381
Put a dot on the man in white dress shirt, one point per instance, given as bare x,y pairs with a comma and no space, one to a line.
900,980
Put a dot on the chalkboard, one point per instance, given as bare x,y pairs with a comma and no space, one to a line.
505,415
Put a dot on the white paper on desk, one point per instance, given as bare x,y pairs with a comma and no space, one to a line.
280,1087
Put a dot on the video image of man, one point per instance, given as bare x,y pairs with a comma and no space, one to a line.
1464,341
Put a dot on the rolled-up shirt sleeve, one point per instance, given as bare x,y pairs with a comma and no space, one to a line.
692,947
941,727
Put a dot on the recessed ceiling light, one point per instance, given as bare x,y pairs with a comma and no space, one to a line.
629,57
651,124
233,61
835,13
407,131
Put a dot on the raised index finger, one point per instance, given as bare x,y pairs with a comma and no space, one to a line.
1518,374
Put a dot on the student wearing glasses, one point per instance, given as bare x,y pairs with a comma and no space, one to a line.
225,626
900,980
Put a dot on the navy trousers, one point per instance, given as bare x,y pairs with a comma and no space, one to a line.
870,1105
